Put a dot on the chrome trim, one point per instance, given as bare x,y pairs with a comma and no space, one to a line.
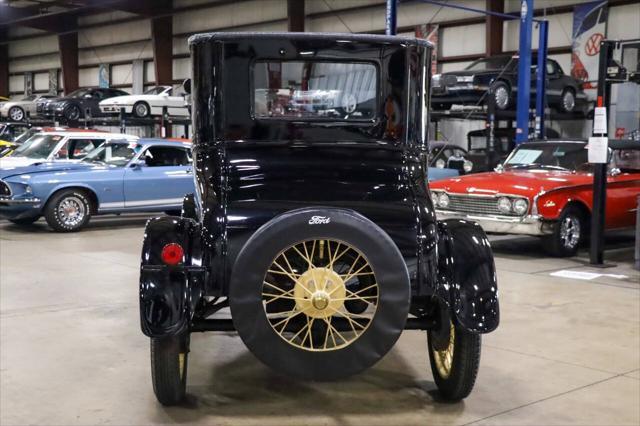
525,225
494,197
17,201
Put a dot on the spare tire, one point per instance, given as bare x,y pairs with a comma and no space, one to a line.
319,293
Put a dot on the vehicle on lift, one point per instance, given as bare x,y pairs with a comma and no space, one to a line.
318,232
20,110
58,144
75,105
149,103
500,74
10,131
119,176
545,189
483,158
447,160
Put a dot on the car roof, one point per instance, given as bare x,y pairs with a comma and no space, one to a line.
369,38
84,132
167,141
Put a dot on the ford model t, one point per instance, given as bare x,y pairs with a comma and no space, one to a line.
312,220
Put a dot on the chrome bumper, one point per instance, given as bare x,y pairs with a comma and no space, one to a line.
525,225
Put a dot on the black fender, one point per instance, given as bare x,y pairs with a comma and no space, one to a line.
467,272
169,295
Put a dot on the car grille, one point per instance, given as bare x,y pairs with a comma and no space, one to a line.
475,205
5,191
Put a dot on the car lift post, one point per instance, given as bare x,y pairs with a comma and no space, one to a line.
123,125
391,22
524,71
541,78
596,250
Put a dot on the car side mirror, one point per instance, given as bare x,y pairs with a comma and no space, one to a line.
186,85
499,168
138,164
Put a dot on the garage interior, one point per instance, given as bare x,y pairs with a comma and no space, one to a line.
567,351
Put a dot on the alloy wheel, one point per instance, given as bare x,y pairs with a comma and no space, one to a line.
570,231
16,114
501,95
568,101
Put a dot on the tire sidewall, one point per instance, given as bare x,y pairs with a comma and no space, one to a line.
68,112
497,85
247,311
16,108
51,211
135,110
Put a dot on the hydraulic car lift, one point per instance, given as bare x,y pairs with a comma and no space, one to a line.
524,62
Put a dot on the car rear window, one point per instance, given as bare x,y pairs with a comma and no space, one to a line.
315,90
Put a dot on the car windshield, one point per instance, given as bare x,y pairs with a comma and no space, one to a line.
25,135
307,89
113,153
548,155
155,91
496,63
38,146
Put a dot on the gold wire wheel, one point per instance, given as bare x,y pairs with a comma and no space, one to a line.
320,295
444,358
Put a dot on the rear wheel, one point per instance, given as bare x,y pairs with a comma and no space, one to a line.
454,359
69,210
568,233
568,101
169,361
501,95
319,294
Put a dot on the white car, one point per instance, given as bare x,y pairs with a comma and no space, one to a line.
59,145
17,110
149,103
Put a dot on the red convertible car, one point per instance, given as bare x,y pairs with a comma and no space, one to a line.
545,189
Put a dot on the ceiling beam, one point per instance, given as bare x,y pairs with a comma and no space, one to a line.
68,46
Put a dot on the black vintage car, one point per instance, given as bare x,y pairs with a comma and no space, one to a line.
314,225
500,74
76,104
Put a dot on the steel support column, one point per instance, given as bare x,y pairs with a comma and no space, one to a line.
295,15
68,45
596,250
391,22
524,71
162,38
541,78
494,27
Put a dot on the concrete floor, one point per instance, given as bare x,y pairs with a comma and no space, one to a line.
567,350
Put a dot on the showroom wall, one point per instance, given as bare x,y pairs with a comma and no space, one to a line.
127,37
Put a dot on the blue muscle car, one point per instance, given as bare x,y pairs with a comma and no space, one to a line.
118,176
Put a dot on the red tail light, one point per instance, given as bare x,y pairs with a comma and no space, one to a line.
172,254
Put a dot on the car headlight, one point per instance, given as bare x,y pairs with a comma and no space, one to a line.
467,166
504,205
440,163
520,206
436,80
443,200
434,198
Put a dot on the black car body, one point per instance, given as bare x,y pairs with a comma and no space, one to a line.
76,104
291,202
500,74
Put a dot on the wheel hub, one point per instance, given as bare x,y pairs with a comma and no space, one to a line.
319,292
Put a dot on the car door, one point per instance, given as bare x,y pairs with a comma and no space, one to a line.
159,178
